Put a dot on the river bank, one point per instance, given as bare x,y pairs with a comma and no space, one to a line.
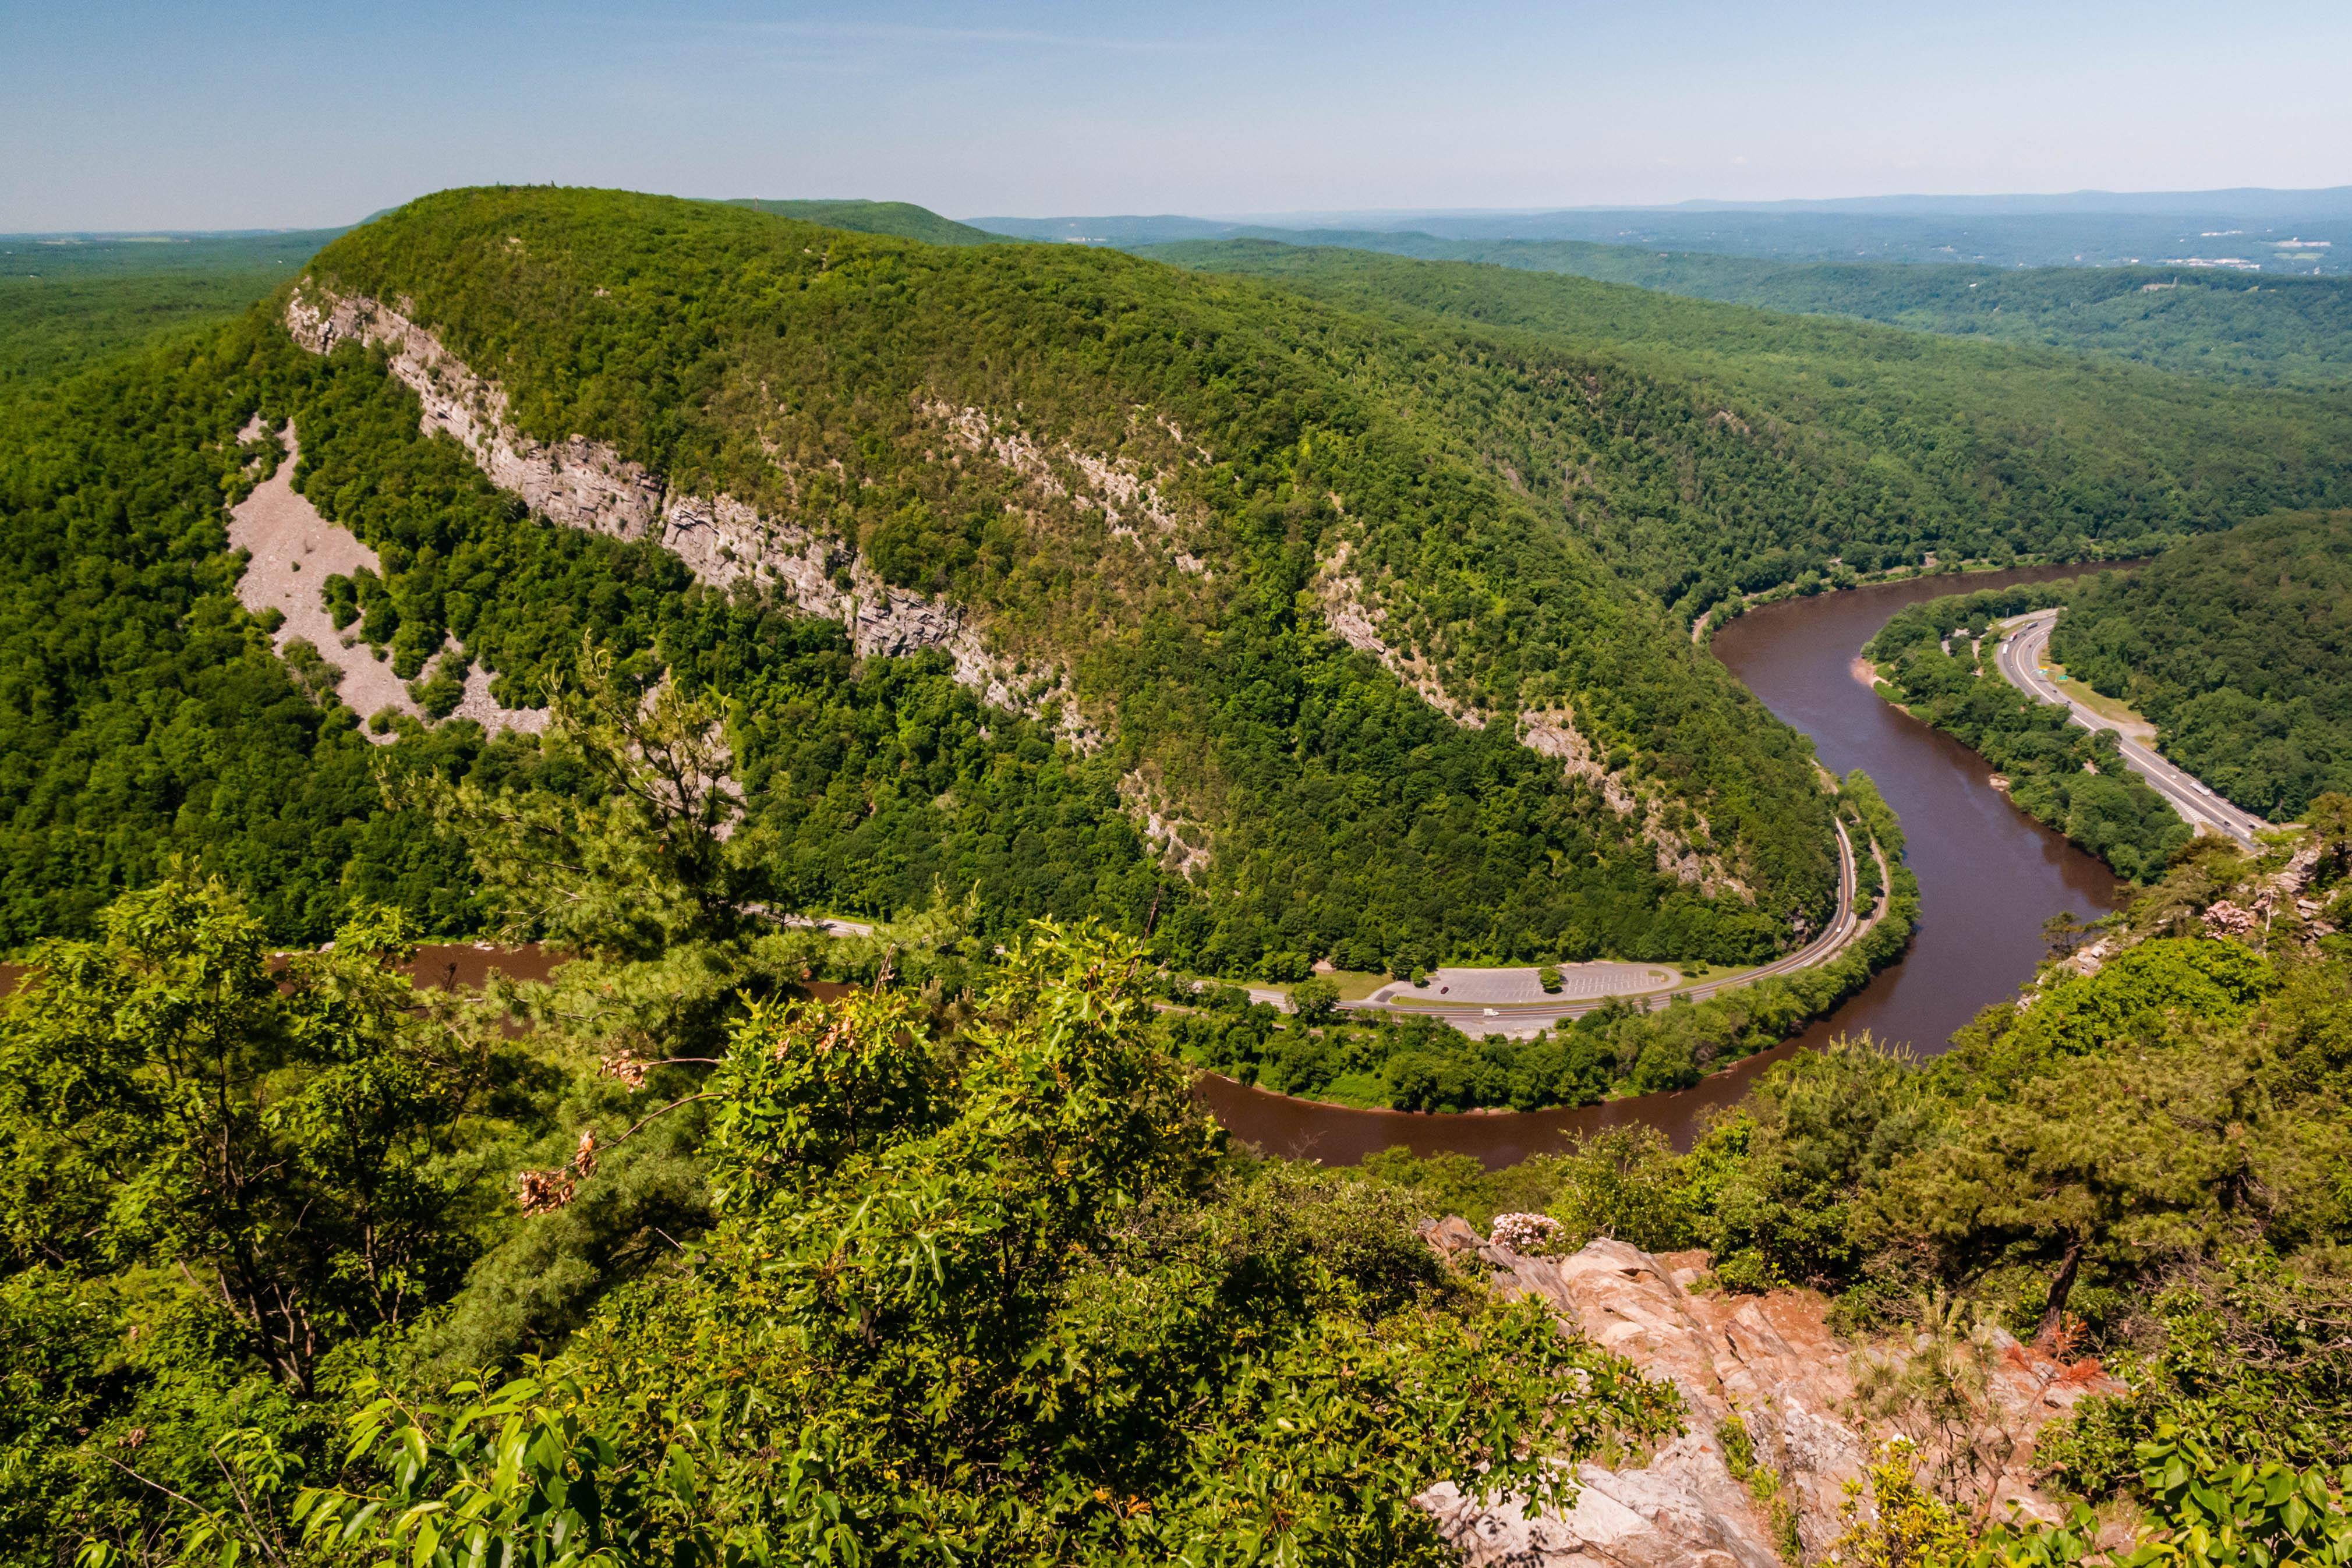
2022,656
1724,614
1968,664
1988,876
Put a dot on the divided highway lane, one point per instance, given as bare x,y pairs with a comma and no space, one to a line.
2020,657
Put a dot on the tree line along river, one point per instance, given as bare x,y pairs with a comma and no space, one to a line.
1988,876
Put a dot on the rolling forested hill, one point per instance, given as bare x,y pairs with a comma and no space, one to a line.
1135,501
69,301
1802,441
2265,329
2239,646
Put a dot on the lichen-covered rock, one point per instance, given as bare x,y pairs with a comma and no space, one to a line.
1769,1360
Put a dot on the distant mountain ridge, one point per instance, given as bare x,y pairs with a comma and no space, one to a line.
2240,200
2087,229
2265,329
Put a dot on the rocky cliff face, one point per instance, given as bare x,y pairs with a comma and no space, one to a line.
587,484
1355,616
579,483
1771,1361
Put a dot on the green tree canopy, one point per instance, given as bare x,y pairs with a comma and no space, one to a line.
168,1096
1000,1297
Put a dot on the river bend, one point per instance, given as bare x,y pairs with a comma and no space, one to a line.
1988,876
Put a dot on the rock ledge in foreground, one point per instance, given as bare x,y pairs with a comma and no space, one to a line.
1771,1360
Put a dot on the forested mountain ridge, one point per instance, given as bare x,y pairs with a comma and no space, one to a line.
1092,460
1811,441
2239,647
928,447
2264,329
901,218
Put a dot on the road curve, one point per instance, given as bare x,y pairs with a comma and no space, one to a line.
2022,657
1525,1017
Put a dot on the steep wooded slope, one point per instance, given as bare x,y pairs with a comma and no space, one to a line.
1131,496
1803,440
889,498
2266,329
2240,647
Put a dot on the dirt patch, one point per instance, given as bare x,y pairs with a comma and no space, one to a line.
293,551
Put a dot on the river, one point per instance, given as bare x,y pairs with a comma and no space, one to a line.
1988,876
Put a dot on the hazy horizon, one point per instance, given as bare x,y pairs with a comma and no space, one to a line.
132,116
2339,198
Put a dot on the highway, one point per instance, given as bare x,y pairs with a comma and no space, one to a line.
2022,657
1525,1018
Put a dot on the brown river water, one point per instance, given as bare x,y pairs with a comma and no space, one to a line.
1988,876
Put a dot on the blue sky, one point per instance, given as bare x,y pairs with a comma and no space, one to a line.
202,115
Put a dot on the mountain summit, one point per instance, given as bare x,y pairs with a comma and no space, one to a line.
1202,528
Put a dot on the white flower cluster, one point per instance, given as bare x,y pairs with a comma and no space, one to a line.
1532,1234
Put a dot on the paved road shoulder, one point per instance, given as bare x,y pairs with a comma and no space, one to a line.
2023,659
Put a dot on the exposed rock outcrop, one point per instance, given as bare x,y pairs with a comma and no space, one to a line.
1772,1361
588,485
2270,911
580,482
1553,733
1125,496
1185,846
1351,612
291,551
